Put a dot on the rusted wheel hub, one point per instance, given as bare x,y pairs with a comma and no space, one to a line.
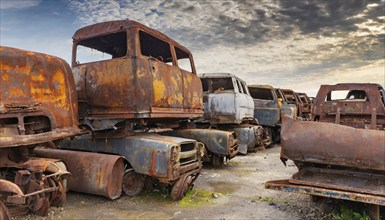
180,188
60,196
133,182
4,212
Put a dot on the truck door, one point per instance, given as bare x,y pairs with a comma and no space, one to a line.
167,78
192,87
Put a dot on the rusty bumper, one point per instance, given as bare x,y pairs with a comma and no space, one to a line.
23,140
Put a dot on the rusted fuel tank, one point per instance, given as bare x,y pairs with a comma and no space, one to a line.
38,106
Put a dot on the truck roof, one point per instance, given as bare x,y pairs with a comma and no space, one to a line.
261,86
219,75
116,26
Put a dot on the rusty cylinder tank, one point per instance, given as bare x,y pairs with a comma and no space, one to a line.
332,144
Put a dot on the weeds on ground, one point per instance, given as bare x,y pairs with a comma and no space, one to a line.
349,214
196,197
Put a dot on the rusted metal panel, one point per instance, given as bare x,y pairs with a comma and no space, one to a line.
222,143
99,174
286,186
326,143
149,154
347,180
352,111
135,86
227,99
37,98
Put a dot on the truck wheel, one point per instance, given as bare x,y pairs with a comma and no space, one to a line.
217,161
57,197
268,137
180,188
133,182
4,212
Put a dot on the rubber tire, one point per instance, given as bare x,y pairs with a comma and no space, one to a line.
137,187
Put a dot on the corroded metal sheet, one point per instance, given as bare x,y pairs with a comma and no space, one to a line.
38,102
347,180
327,143
286,186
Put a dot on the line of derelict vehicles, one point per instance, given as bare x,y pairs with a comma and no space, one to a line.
132,112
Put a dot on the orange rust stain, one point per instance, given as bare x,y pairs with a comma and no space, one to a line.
60,96
179,97
16,92
153,164
159,90
38,77
5,77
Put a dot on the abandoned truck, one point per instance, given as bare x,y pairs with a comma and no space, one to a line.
227,105
286,107
134,81
267,109
305,106
341,154
292,98
38,106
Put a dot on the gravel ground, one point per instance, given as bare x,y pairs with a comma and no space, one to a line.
235,191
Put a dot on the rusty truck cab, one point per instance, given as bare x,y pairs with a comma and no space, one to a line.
37,98
226,99
125,70
359,105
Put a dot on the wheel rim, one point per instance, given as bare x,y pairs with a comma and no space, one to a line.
180,188
4,212
133,183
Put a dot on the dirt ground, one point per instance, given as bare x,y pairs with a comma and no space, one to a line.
235,191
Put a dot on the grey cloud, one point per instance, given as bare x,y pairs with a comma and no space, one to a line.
12,4
226,26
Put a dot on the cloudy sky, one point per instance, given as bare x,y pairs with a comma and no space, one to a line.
296,44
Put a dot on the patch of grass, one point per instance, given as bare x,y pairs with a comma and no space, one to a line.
196,197
348,214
